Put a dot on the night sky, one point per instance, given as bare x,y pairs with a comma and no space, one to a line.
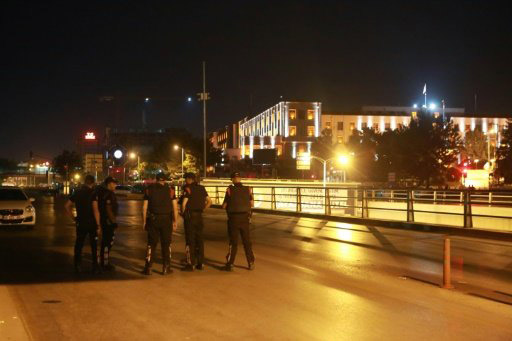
59,59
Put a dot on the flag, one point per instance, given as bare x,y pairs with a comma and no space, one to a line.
425,89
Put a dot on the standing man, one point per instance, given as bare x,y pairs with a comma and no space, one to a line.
87,222
195,200
238,202
159,218
105,203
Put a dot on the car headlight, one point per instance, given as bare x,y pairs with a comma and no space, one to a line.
29,209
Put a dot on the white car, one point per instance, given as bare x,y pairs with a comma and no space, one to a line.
16,208
123,190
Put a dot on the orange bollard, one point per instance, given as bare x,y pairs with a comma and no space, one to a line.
447,280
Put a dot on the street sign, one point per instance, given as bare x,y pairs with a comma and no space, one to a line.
303,161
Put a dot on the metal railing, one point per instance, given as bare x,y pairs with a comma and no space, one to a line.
463,208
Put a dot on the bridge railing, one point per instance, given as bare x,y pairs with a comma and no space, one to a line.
463,208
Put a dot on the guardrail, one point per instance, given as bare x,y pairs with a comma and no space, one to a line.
463,208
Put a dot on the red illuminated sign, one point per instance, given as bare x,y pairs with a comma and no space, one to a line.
90,136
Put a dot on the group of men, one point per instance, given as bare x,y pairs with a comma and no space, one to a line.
97,208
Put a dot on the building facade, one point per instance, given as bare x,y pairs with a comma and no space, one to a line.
382,118
288,127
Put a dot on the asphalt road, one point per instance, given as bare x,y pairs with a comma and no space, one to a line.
314,280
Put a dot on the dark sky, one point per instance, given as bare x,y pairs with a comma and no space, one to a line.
59,58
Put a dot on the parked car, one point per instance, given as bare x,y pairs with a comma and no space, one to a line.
123,190
16,208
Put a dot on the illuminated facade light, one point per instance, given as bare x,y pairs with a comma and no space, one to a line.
251,146
294,149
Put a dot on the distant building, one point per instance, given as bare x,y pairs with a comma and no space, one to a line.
289,127
382,118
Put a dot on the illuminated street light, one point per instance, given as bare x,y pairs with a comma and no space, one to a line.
146,100
77,176
189,99
415,105
343,159
133,155
432,106
176,147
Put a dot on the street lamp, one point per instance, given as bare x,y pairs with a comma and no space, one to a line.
134,156
342,159
176,147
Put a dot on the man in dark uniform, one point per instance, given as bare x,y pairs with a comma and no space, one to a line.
159,217
195,200
87,222
105,203
238,203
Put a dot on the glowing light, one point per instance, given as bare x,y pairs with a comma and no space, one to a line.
189,99
118,154
90,136
343,159
415,105
77,176
146,100
133,155
432,106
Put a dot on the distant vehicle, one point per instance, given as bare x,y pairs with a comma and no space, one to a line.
16,208
123,190
138,188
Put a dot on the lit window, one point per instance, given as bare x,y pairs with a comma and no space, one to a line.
311,130
293,114
414,114
352,126
467,127
340,125
293,130
340,139
311,114
365,125
328,125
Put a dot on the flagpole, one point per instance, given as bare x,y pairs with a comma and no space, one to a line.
425,93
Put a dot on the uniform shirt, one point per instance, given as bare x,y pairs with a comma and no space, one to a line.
172,193
196,195
157,200
105,197
82,198
228,193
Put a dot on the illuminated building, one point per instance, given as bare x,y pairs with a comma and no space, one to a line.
289,127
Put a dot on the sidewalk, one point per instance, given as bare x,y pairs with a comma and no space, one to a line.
11,324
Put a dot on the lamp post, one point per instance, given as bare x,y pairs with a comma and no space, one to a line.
343,159
176,147
133,156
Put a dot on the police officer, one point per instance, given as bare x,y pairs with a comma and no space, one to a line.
195,200
87,222
159,213
105,203
238,202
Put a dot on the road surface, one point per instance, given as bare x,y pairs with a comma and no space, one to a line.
314,280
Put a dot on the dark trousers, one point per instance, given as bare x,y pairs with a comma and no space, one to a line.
159,229
238,224
194,237
82,231
107,241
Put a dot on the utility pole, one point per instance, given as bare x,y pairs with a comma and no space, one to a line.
204,96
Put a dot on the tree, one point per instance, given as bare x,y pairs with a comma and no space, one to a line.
475,145
363,144
504,155
7,165
67,162
429,146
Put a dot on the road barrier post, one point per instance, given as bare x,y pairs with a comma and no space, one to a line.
217,199
490,198
468,216
364,208
327,202
273,198
447,276
410,206
299,200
